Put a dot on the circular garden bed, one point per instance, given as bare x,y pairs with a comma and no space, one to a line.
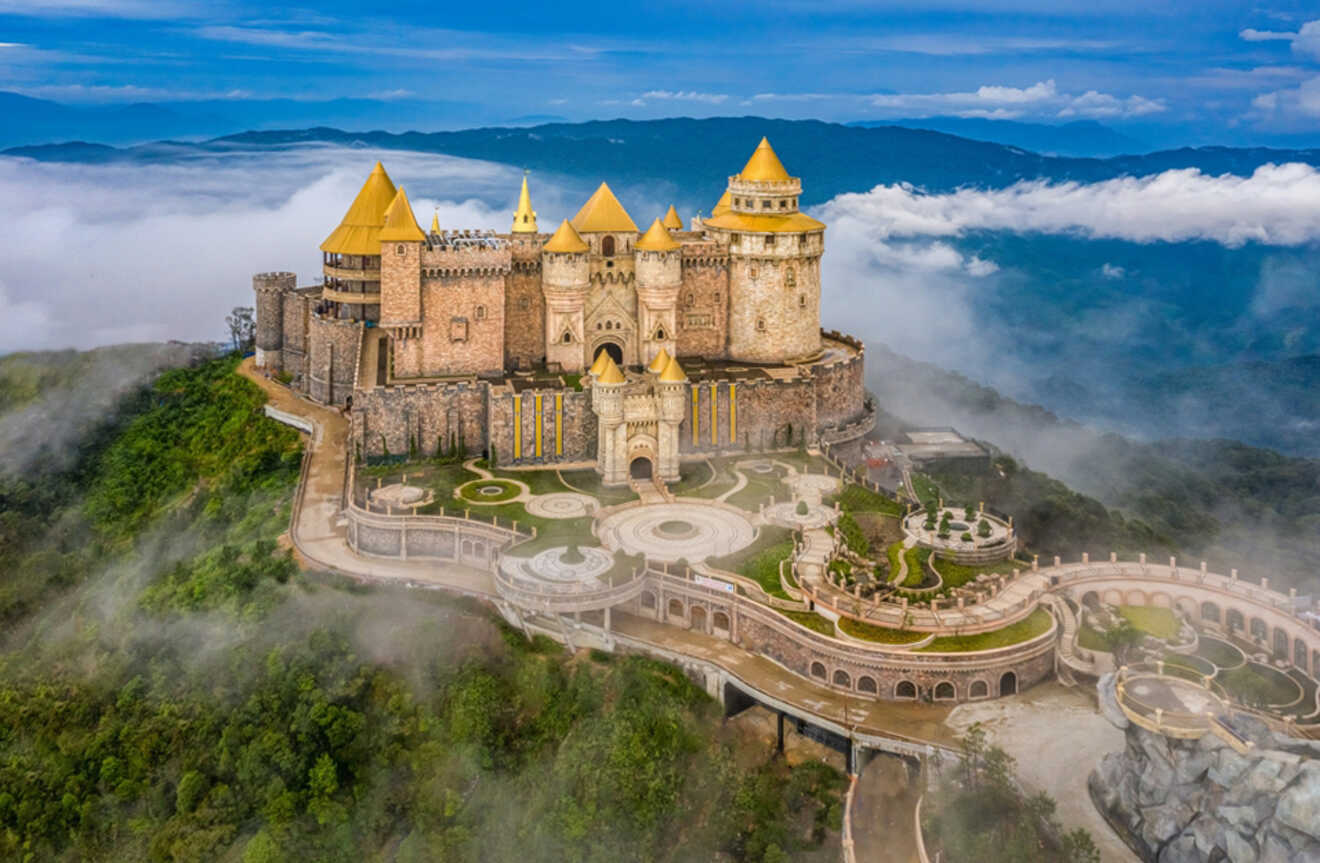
489,491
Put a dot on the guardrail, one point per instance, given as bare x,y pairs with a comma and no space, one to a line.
302,424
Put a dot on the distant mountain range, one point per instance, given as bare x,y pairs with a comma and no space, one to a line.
683,156
1079,138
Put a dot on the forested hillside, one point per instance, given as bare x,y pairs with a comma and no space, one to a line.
173,689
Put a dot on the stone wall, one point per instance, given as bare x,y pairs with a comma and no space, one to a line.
524,304
840,389
395,419
577,426
296,322
332,358
774,302
703,301
1178,801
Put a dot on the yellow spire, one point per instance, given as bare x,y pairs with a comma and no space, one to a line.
603,212
400,223
610,374
671,220
359,231
565,240
599,365
764,165
725,204
657,239
673,373
435,222
660,362
524,218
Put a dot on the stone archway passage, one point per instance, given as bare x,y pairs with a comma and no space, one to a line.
640,467
614,349
1008,684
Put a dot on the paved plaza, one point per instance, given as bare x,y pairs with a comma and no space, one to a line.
685,530
561,504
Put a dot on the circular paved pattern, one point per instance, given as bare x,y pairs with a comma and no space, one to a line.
785,514
761,467
819,483
547,570
638,530
561,504
483,492
675,529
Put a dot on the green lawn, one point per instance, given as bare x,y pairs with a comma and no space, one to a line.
811,620
925,487
441,478
1258,685
1220,653
538,481
1091,638
1037,623
916,564
760,560
1158,622
587,481
473,491
759,488
880,634
895,552
692,475
855,498
956,574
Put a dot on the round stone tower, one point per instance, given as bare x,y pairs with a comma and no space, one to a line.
672,390
611,432
774,264
659,268
271,290
565,276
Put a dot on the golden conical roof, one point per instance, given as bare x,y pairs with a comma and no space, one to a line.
764,164
359,231
524,218
673,373
610,374
657,239
724,205
565,240
435,223
671,219
599,365
603,212
660,362
400,223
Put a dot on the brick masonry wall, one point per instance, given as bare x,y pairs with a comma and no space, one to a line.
771,320
524,305
840,391
293,356
432,415
703,302
332,359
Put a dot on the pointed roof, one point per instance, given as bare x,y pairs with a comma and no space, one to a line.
657,239
671,219
359,231
660,362
603,212
724,205
524,218
565,240
610,374
400,223
599,365
673,373
764,165
435,222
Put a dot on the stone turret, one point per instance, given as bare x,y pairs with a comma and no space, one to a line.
672,391
611,432
565,276
774,263
271,290
659,268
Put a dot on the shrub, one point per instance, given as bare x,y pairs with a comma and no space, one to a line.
967,536
968,513
983,528
802,508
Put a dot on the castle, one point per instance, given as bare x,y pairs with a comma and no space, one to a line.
596,342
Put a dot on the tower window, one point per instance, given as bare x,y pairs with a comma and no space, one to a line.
524,304
568,338
765,205
690,299
607,246
802,301
783,205
790,278
660,334
481,313
760,325
398,250
751,271
770,240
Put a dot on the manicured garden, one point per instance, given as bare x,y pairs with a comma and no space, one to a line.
878,634
1159,622
811,620
957,574
1037,623
760,560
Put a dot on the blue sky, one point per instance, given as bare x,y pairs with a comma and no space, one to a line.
1204,71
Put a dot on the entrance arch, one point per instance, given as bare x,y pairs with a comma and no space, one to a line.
697,618
641,467
1008,684
614,349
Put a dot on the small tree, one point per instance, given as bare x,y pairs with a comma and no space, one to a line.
492,461
983,528
1121,639
968,513
802,508
242,328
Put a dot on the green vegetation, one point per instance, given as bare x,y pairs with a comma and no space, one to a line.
1037,623
1090,638
474,491
916,558
760,560
880,634
980,813
1191,663
853,537
587,481
957,574
1220,653
537,481
1257,685
855,498
927,491
692,476
811,620
1158,622
760,487
295,720
895,553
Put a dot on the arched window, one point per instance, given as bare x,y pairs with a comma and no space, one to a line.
609,325
790,277
691,299
866,684
568,338
944,691
979,689
607,246
802,301
841,678
660,334
398,250
481,313
760,325
905,689
818,670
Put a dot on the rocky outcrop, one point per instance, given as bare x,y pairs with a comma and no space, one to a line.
1176,801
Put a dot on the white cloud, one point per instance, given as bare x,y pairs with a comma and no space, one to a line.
1289,104
1252,35
1305,42
1000,102
680,96
97,254
1112,271
139,9
1276,205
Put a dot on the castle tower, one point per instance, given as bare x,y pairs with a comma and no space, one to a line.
524,218
611,306
351,254
671,221
672,391
271,290
659,267
565,276
611,431
774,263
401,242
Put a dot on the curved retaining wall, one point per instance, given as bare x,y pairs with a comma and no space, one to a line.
427,537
